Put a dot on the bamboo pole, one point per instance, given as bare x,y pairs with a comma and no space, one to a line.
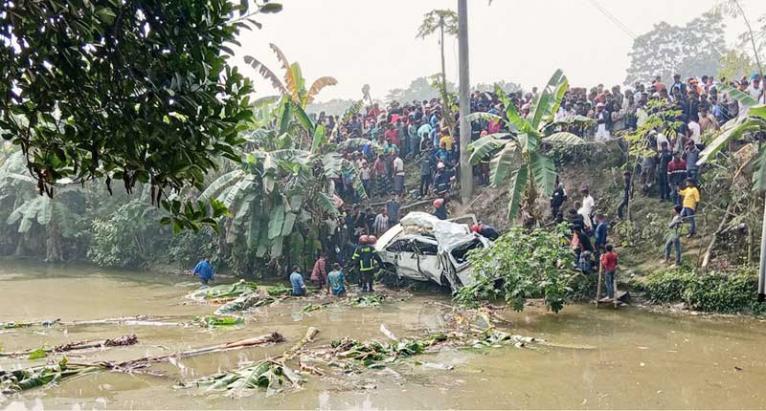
598,285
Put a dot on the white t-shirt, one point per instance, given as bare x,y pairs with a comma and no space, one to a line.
587,204
694,127
660,138
399,166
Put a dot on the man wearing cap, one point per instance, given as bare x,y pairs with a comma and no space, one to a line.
602,121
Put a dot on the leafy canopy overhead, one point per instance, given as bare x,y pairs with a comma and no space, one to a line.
132,90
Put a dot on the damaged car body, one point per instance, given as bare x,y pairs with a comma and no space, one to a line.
424,248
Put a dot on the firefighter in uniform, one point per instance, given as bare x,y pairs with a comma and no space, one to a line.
367,261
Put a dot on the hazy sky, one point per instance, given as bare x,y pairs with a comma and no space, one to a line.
366,41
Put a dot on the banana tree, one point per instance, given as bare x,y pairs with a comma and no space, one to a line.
752,123
281,196
292,84
29,209
517,158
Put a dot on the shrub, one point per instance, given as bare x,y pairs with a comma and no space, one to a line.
668,286
714,292
522,265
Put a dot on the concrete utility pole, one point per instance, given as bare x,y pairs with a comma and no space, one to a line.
466,172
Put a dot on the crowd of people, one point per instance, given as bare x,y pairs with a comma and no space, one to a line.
377,141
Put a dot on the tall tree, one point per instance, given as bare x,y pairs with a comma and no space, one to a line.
419,89
693,49
443,21
754,38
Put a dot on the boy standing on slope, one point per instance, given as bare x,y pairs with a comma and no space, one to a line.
609,265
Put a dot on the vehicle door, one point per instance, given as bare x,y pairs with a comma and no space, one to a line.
405,259
429,265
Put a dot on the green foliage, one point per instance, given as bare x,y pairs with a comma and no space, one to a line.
368,300
293,85
37,354
278,290
266,375
129,236
373,354
521,265
137,92
42,375
225,291
520,160
714,292
212,321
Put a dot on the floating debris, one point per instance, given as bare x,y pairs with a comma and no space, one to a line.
224,292
43,352
219,321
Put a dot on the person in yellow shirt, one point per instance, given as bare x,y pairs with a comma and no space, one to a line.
446,141
691,195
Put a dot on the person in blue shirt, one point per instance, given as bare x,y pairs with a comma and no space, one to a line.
336,281
204,270
296,281
601,233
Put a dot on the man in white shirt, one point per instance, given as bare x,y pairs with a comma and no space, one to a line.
381,223
694,131
755,90
660,139
398,175
586,210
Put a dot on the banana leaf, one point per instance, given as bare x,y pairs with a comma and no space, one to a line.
224,291
268,375
212,321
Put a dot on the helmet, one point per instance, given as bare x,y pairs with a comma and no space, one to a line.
438,202
475,228
371,239
364,239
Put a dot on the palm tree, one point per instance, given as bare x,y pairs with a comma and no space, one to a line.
293,84
443,20
518,157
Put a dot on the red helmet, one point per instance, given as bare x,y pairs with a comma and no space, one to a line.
475,228
364,239
371,239
438,202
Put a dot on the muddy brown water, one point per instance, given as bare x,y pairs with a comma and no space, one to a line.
641,360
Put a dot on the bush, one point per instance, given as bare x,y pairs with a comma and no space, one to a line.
668,286
715,292
522,265
130,237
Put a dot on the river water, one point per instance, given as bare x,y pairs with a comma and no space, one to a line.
640,360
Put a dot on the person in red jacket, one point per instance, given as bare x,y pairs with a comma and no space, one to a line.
609,265
676,176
